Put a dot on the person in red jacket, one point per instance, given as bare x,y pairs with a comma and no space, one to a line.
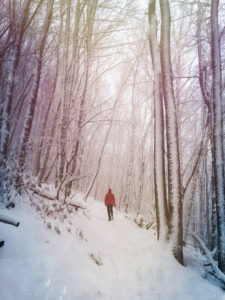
110,202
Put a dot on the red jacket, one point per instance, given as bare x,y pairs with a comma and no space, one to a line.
110,199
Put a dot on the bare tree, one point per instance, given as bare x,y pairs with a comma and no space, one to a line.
34,94
218,132
159,130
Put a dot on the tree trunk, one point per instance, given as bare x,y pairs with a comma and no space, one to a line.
7,106
37,166
159,144
47,151
65,106
5,130
218,133
174,175
32,102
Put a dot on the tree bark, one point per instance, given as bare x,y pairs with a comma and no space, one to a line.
5,130
218,133
174,174
159,144
32,102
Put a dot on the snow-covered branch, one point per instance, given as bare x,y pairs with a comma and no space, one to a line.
8,220
215,270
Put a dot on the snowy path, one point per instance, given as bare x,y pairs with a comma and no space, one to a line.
37,263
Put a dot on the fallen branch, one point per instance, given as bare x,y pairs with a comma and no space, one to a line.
41,193
216,271
76,204
96,258
149,225
8,220
44,194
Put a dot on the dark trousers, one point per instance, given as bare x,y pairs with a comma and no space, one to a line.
110,212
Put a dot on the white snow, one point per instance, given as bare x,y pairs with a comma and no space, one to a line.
38,263
8,220
77,200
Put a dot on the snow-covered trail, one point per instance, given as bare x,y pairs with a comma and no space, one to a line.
37,263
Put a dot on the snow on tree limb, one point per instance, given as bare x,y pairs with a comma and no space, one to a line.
216,271
8,220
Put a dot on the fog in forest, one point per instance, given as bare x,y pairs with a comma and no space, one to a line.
127,95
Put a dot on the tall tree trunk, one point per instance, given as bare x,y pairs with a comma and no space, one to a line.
76,145
65,106
7,105
143,167
206,92
32,102
218,133
91,11
159,144
48,149
37,166
174,174
130,152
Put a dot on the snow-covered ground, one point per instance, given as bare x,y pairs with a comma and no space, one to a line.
92,259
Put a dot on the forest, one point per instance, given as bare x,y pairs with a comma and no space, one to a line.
120,94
